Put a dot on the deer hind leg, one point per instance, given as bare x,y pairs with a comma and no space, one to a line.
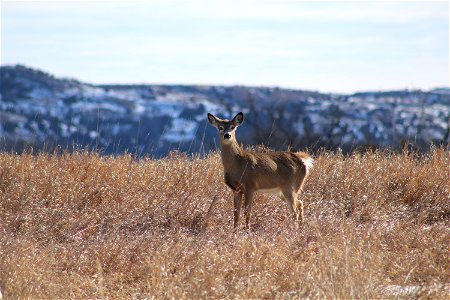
295,205
237,207
299,204
248,198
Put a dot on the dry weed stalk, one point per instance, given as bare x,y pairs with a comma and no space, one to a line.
87,226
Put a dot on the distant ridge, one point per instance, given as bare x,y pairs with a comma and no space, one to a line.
43,111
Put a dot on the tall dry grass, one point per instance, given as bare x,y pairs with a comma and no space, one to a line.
86,226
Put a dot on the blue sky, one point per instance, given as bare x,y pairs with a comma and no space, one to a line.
332,46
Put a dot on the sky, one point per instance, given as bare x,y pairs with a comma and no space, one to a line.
331,46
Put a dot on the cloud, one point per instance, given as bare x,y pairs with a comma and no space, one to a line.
380,11
286,43
318,11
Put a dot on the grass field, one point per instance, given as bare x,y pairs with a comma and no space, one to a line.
81,225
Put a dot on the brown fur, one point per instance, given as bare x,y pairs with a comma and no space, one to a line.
246,172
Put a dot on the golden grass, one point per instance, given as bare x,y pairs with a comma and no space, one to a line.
86,226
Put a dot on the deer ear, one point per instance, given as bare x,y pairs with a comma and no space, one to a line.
238,119
212,120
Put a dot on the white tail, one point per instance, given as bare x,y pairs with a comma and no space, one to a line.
308,162
246,172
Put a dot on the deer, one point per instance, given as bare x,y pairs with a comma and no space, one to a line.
246,172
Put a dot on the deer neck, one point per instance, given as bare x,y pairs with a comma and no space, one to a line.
230,154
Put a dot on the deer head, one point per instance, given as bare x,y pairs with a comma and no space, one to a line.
227,128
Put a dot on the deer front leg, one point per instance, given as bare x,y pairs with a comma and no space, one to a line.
237,207
248,197
230,183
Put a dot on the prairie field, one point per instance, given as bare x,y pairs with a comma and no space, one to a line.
83,225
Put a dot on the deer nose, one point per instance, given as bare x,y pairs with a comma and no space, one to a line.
227,136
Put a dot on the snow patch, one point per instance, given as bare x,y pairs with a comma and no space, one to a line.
180,130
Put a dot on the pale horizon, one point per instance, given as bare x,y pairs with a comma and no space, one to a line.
330,47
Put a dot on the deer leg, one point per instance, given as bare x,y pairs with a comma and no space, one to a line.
237,208
299,204
248,197
295,205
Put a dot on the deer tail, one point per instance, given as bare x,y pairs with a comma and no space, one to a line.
307,161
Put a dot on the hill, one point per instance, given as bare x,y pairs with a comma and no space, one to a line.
43,111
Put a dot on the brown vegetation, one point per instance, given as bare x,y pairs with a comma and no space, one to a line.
86,226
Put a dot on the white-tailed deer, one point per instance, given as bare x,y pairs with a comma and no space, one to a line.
247,172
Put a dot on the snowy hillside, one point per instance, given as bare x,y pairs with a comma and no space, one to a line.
40,110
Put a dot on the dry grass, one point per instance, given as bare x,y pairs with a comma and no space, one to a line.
86,226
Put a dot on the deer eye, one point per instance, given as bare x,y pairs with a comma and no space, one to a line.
221,128
232,127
